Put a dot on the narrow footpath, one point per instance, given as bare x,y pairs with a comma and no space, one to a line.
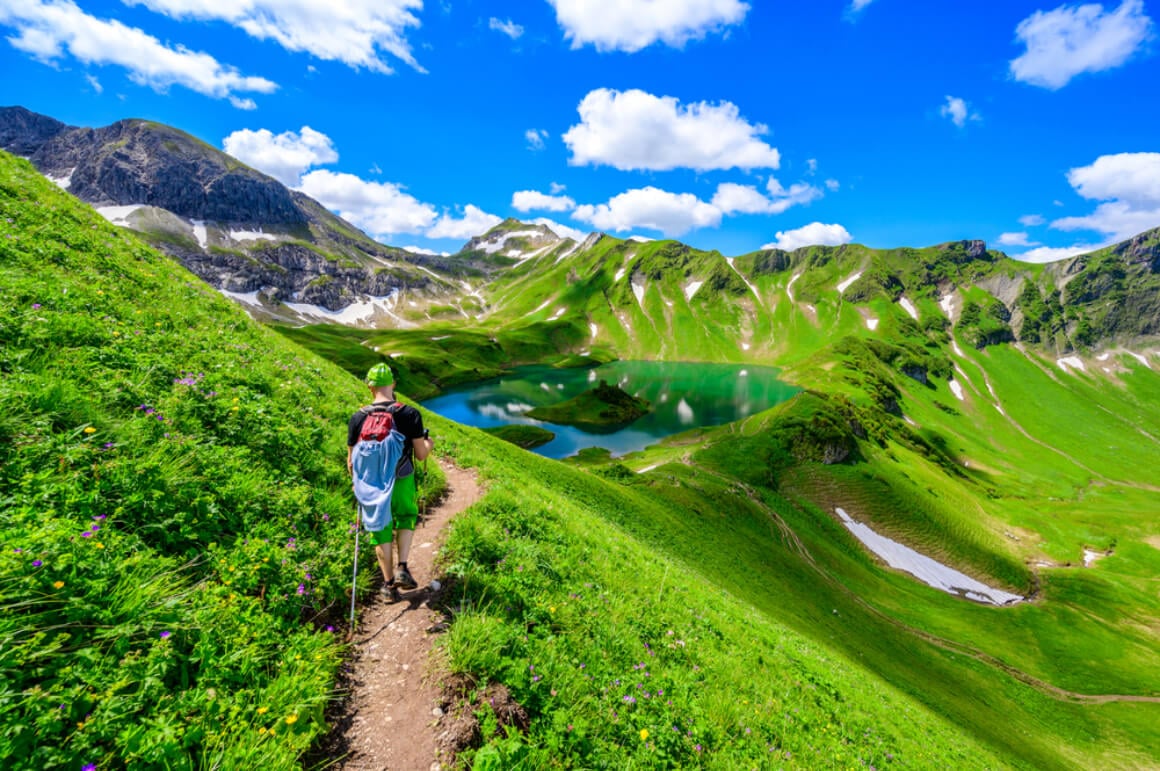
392,717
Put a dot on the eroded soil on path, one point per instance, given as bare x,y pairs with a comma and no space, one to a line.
392,716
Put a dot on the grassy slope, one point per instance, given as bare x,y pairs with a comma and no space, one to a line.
174,502
991,493
208,508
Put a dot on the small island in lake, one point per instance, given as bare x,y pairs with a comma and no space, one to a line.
604,407
527,437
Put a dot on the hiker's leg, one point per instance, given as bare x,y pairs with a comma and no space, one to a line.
383,546
404,514
404,538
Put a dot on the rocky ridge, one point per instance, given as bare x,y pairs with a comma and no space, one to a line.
238,229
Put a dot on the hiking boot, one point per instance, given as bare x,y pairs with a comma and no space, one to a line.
403,578
390,592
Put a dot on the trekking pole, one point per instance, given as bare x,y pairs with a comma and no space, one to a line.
354,579
423,497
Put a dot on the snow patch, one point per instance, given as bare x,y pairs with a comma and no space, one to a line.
1103,357
929,571
65,182
638,290
691,288
752,288
872,324
641,239
947,303
491,247
745,346
245,298
542,305
440,337
789,286
363,311
619,274
592,328
200,233
957,389
251,235
559,312
955,347
1070,361
1090,556
118,215
646,469
842,287
908,306
1140,359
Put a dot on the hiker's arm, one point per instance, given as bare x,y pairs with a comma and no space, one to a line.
423,446
349,464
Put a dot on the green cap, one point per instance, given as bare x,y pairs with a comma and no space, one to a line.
380,375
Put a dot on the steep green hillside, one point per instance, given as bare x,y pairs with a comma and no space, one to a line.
172,571
175,507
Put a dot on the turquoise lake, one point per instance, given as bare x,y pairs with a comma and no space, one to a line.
683,395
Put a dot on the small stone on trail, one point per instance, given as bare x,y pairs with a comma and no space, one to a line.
437,712
427,545
435,585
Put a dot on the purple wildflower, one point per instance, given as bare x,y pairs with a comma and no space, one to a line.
89,767
86,534
36,563
165,634
329,628
301,589
35,306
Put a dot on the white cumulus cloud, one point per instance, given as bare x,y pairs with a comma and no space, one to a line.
732,198
1052,253
48,29
474,222
958,111
1015,239
379,208
527,200
563,231
1074,39
813,234
284,156
1032,220
652,208
357,33
636,130
630,25
1128,184
506,26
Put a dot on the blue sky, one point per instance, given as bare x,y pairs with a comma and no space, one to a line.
727,124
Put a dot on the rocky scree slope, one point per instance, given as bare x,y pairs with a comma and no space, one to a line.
238,229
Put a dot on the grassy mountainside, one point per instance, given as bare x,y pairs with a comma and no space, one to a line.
719,578
1000,417
175,505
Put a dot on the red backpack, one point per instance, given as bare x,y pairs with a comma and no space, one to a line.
379,422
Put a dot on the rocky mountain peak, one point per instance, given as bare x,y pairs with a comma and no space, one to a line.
513,239
23,132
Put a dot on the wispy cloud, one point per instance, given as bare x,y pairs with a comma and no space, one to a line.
50,30
958,111
506,26
1074,39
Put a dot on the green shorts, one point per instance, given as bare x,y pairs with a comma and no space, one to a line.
404,510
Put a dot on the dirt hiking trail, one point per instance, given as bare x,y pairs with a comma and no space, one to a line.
391,716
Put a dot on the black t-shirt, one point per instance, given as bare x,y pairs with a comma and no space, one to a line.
408,422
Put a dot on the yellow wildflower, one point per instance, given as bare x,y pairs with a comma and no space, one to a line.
263,710
291,719
643,734
90,430
58,585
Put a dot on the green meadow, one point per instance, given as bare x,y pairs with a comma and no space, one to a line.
177,566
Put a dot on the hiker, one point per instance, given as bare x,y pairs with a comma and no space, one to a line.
383,441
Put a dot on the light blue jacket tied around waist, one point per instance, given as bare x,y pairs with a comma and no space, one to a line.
373,464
